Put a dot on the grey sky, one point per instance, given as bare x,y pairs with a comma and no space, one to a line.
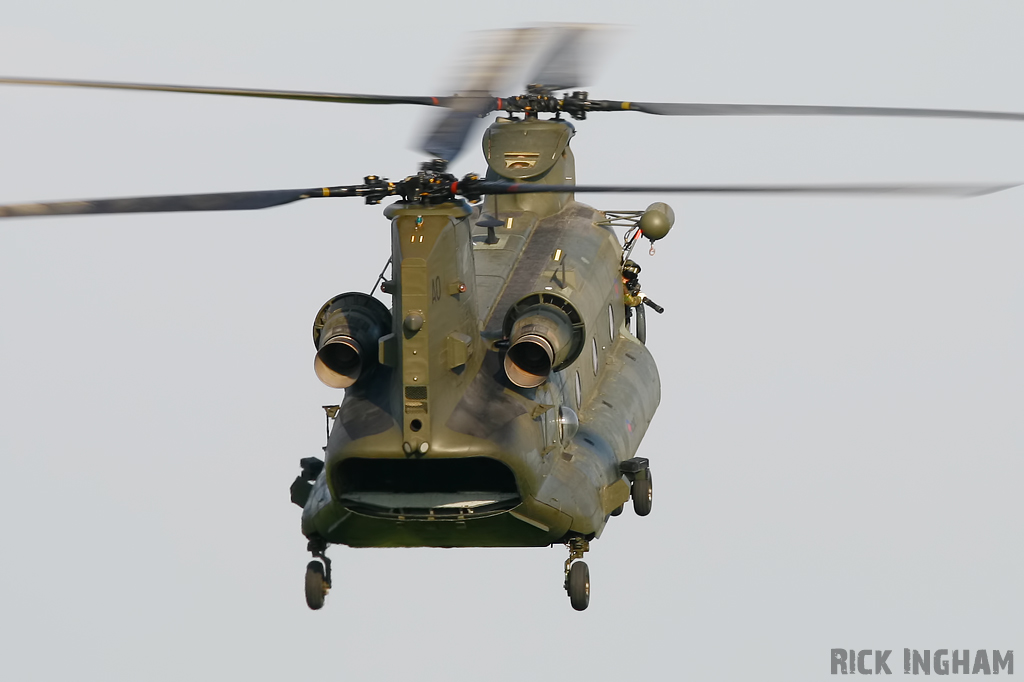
839,445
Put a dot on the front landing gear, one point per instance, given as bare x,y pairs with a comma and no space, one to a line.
318,576
316,585
577,576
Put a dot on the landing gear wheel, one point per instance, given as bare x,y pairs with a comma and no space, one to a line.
617,510
578,585
642,494
316,585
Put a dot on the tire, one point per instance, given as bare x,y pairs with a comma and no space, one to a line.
579,585
642,495
316,585
617,510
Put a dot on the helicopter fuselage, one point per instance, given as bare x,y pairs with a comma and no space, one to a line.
437,446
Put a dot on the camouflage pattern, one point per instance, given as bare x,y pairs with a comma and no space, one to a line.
439,448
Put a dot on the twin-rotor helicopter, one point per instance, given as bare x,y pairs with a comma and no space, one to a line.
500,400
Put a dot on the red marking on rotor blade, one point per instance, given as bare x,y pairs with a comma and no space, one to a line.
499,104
434,100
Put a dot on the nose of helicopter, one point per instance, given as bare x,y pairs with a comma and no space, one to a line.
378,473
425,487
460,494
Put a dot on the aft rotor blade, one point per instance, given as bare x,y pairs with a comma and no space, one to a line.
947,190
490,59
566,64
482,71
702,109
236,92
449,134
227,201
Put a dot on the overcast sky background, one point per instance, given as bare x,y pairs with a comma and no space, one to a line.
839,445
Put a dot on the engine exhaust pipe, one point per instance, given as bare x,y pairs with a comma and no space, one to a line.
339,363
528,361
543,339
345,333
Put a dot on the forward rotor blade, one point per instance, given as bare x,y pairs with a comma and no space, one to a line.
940,190
236,92
699,109
228,201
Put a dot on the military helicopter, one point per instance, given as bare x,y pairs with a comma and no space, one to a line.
502,398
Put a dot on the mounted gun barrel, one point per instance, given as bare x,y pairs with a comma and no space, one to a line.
345,333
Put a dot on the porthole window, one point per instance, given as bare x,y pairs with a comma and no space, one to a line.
596,365
611,324
579,392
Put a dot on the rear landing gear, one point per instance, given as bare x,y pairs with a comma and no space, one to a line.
638,471
318,575
577,575
642,493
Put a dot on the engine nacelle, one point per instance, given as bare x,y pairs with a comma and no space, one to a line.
545,334
345,334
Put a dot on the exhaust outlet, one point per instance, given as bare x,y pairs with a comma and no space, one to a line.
339,363
528,362
545,335
345,333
